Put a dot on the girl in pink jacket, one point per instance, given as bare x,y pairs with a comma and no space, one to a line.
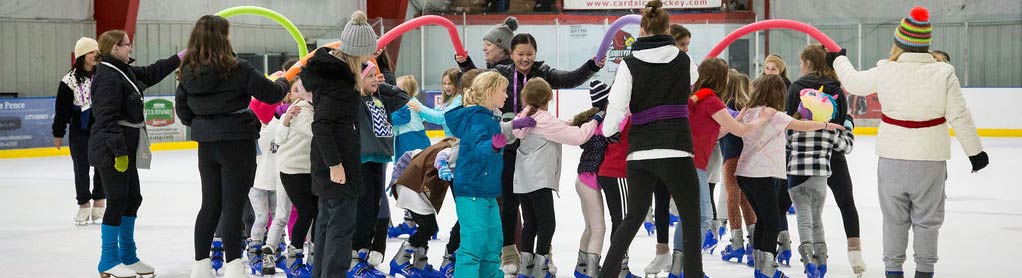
537,172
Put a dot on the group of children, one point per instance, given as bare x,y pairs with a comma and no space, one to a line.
324,150
392,130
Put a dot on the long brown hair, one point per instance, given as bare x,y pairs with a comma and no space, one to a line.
109,39
537,93
768,90
816,55
655,20
736,92
209,45
454,75
712,75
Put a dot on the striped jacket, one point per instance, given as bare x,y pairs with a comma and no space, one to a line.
809,151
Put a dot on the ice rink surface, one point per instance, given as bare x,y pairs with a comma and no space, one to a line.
981,235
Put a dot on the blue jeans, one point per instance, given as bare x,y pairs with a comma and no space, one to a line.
705,210
481,238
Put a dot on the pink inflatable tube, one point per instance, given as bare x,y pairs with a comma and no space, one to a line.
775,24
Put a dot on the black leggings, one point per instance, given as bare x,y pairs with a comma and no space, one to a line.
227,170
299,191
783,203
79,145
661,212
840,183
427,227
123,194
373,178
616,192
762,194
713,201
455,241
679,176
538,221
509,200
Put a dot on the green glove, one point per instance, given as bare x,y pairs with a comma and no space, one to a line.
121,163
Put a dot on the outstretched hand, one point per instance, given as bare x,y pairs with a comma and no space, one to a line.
831,56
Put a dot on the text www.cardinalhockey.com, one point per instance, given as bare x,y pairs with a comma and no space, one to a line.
640,3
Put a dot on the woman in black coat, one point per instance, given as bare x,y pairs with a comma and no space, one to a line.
332,75
119,146
213,99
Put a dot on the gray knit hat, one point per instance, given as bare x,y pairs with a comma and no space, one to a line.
358,38
501,34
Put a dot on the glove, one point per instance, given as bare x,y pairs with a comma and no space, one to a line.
523,122
849,125
979,161
498,141
831,56
444,171
599,116
121,163
181,55
614,139
732,112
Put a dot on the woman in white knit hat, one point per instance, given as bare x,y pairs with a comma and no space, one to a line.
72,112
332,75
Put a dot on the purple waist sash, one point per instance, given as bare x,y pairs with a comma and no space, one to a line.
661,112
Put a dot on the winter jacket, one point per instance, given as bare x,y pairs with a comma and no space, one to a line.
614,164
68,108
335,125
654,74
469,65
558,79
115,98
378,135
295,141
436,115
411,133
479,165
813,81
914,88
267,176
538,164
217,108
809,152
422,176
593,152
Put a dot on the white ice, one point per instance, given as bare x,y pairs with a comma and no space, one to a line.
982,231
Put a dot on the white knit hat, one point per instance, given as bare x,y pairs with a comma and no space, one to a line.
358,38
84,46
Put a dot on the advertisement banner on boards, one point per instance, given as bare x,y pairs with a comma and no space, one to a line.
638,4
26,123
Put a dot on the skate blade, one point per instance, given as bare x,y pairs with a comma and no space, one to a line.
147,275
108,275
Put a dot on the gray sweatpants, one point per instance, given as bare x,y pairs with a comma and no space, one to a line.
808,199
911,196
